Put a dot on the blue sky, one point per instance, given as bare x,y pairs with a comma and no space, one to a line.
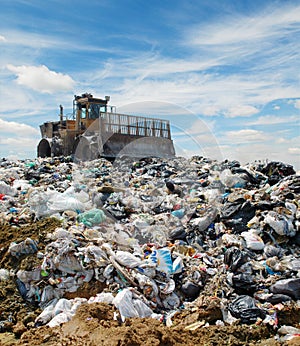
225,73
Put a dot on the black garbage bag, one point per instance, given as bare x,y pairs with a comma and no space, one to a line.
275,171
177,233
229,209
24,291
21,288
243,283
117,212
289,287
236,215
193,238
278,298
296,239
235,258
272,251
190,290
244,308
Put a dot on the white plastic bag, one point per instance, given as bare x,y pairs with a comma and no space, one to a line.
46,315
253,241
124,303
280,223
7,189
4,275
127,259
142,309
59,319
231,180
27,246
103,297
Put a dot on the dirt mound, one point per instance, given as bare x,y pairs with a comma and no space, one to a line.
94,324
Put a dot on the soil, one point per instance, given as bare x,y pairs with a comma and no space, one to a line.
95,324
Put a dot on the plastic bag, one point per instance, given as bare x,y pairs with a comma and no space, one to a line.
177,233
60,202
142,309
21,185
59,319
103,297
231,240
68,263
290,287
63,305
178,213
280,223
231,180
171,301
243,283
4,275
244,307
92,217
127,259
37,202
27,246
7,189
27,276
177,265
124,303
277,298
253,241
235,258
44,203
288,330
46,315
190,290
272,251
202,223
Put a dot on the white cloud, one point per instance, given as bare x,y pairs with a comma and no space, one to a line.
16,128
240,28
23,38
297,104
19,143
151,108
199,127
234,94
276,108
245,136
272,120
2,38
41,79
241,111
211,110
248,153
294,151
235,146
281,140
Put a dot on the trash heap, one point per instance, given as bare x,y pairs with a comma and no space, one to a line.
157,236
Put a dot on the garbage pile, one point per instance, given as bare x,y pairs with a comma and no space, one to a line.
157,235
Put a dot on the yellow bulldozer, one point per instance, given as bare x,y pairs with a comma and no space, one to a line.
95,129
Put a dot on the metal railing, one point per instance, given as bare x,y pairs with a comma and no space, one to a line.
135,125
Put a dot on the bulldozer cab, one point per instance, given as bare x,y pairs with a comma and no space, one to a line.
87,108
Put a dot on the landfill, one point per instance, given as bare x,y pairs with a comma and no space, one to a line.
150,251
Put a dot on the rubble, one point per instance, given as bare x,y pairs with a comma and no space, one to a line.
155,238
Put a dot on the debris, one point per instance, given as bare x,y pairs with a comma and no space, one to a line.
153,238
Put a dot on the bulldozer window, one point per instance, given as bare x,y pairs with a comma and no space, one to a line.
83,113
95,111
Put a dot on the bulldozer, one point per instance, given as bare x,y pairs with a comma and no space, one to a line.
94,129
